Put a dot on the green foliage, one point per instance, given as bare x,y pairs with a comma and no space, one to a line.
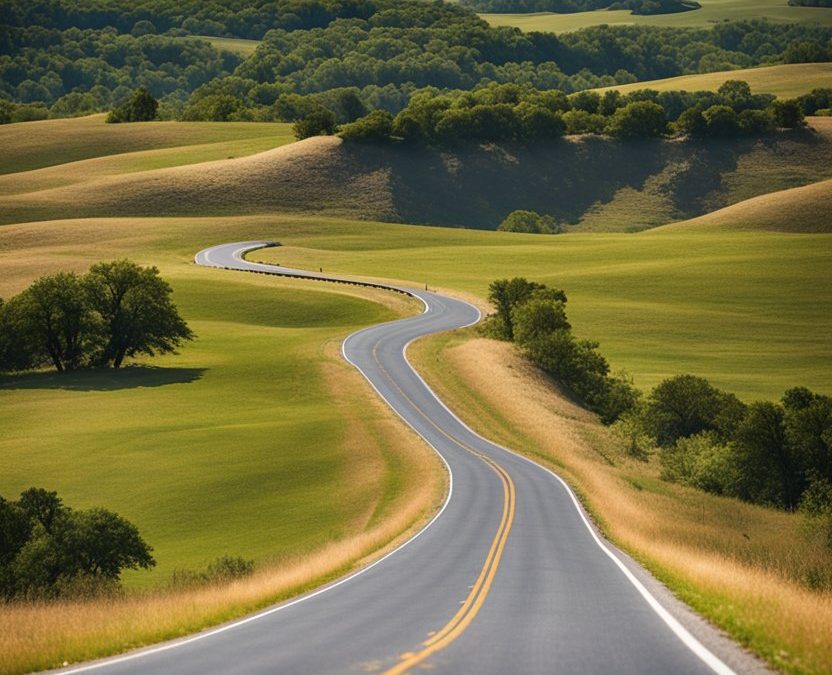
141,107
701,461
530,222
815,101
115,311
49,549
641,119
505,295
136,310
534,317
567,6
213,108
816,507
320,122
376,126
788,113
686,405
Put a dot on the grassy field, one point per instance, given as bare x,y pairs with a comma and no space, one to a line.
257,440
712,12
749,569
784,81
748,309
35,145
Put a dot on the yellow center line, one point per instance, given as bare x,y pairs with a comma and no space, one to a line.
477,595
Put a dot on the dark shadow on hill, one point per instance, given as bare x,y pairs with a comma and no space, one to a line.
131,377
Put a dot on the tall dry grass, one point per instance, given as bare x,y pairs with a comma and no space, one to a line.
749,569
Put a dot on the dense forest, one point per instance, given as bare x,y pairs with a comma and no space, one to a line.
64,58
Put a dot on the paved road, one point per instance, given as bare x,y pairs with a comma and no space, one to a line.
508,578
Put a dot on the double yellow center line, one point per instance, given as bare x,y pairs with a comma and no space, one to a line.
479,591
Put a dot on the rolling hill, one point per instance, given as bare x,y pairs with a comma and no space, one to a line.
786,80
591,183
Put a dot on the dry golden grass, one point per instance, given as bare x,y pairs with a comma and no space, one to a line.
747,568
801,209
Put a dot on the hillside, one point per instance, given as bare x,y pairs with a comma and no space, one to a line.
591,183
711,12
785,81
803,209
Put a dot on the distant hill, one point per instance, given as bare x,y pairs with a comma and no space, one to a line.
590,183
803,209
785,80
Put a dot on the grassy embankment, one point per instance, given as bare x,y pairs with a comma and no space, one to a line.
711,12
257,440
785,81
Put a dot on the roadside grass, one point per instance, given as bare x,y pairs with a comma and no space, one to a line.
750,570
785,81
711,12
256,440
34,145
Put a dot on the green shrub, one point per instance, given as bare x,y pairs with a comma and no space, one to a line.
141,107
376,126
530,222
320,122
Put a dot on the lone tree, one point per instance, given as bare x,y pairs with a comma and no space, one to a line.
530,222
141,107
135,306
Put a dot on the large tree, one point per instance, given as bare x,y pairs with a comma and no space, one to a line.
54,321
138,314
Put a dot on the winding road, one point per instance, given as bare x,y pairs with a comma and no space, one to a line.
509,577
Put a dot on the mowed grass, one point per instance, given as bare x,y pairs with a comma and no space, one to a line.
711,13
785,81
751,570
748,309
35,145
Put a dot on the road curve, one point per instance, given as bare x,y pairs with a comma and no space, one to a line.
509,577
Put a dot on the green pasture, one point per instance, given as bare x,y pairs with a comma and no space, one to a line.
750,310
231,447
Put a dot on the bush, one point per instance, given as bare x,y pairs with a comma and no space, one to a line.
377,126
700,461
816,507
213,108
642,119
50,550
686,405
141,107
529,222
220,571
788,114
320,122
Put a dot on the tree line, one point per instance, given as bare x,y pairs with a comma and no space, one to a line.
512,112
63,58
533,316
774,453
117,310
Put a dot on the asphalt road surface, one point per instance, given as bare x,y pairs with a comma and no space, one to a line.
509,577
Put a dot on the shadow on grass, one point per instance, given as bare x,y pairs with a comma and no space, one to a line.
130,377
